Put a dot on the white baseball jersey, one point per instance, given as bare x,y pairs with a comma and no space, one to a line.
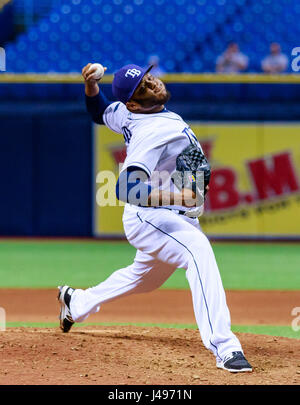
153,141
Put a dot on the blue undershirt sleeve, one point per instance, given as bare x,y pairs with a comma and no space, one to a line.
131,188
96,106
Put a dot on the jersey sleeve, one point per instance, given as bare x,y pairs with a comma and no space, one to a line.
114,116
144,154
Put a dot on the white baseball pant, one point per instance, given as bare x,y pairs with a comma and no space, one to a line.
166,241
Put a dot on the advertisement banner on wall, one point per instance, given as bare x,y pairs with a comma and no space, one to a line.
254,187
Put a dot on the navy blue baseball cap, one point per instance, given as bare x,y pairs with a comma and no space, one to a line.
126,80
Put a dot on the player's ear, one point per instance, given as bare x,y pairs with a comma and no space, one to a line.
133,106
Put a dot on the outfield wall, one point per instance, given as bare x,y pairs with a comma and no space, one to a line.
254,188
45,172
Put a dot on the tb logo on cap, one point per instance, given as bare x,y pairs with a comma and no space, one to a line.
133,73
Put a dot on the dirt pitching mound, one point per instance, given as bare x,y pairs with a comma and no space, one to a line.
135,355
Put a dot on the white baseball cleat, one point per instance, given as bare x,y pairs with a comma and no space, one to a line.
235,362
65,317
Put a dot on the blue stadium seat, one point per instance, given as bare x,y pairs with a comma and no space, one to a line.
187,34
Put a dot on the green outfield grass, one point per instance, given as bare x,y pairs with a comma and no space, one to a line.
280,331
41,264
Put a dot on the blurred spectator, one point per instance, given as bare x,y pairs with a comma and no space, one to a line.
276,61
156,70
232,60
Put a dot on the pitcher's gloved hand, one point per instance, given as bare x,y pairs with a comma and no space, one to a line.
193,171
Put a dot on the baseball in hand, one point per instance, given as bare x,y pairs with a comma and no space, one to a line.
98,71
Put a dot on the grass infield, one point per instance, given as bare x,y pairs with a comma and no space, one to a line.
48,263
279,331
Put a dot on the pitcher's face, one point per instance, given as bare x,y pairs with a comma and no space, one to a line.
150,92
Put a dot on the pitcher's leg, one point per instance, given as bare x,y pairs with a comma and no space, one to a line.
145,274
209,300
183,245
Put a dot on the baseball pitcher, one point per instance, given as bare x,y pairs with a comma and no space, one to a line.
160,217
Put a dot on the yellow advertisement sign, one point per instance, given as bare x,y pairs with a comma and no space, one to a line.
254,188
